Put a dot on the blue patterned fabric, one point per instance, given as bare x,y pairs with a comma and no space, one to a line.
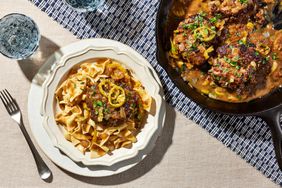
133,23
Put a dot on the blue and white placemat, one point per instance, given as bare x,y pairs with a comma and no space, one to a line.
133,23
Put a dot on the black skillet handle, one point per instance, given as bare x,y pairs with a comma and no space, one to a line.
272,118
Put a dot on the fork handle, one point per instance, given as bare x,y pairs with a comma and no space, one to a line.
42,168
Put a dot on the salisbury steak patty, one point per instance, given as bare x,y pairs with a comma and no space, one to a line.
239,68
194,39
233,9
103,112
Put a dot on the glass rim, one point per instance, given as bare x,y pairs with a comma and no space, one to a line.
83,10
38,38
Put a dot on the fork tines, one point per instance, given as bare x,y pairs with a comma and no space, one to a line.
8,101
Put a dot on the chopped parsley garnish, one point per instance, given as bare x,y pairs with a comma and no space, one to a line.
241,42
225,70
183,67
96,112
274,56
199,19
185,26
239,97
139,117
238,74
213,20
256,53
243,1
133,105
232,63
226,59
202,14
106,110
218,16
193,47
191,26
265,60
236,58
99,103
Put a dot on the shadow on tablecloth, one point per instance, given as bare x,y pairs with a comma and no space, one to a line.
31,65
147,164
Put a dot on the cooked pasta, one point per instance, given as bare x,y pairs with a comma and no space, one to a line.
102,107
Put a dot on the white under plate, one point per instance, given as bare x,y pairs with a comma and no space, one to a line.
41,136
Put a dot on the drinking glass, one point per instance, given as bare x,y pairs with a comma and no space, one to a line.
19,36
84,5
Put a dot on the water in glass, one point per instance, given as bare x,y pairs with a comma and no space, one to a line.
84,5
19,36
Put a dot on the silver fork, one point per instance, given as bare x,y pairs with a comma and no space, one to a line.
14,111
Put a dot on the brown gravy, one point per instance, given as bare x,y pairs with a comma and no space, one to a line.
201,80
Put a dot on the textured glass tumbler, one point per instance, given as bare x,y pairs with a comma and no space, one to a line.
19,36
84,5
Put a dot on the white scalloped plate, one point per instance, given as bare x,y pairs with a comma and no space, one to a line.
107,166
98,49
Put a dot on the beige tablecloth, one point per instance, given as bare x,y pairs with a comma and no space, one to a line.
184,156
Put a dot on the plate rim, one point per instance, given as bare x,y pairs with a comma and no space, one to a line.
65,63
61,163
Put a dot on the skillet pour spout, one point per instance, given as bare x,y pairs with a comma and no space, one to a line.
269,108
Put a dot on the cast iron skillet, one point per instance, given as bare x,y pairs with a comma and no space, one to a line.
269,108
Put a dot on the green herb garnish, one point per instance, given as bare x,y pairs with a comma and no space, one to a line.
202,14
265,60
218,16
106,110
191,26
239,97
225,70
133,105
213,20
99,103
185,26
274,56
183,67
193,47
199,18
232,63
96,112
238,74
243,1
236,58
241,42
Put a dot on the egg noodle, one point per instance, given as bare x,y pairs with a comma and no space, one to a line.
102,107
